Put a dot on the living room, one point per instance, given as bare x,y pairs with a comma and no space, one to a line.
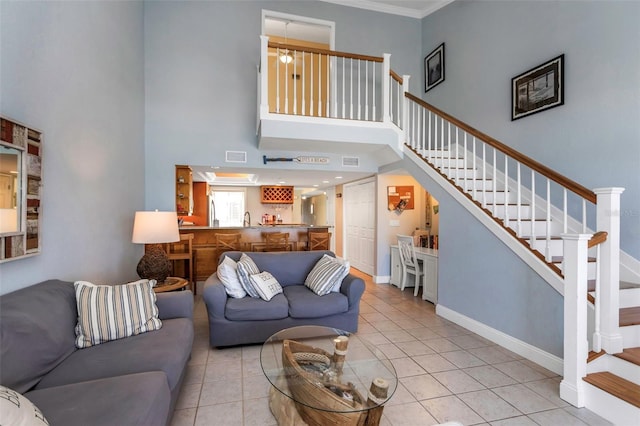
123,91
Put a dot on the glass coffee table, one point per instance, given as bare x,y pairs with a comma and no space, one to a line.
322,375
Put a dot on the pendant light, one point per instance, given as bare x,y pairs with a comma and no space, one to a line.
285,56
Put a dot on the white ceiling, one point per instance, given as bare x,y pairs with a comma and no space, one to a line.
413,8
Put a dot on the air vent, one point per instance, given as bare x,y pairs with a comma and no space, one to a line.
351,161
235,156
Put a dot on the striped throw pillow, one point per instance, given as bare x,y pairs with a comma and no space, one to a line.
324,275
247,267
108,312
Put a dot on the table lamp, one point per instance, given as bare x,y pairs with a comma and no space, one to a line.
155,228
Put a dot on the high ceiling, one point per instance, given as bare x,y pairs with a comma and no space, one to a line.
310,178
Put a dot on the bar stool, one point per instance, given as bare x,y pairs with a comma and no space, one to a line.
226,242
276,241
319,240
182,251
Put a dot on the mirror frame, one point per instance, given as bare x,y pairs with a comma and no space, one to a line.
26,241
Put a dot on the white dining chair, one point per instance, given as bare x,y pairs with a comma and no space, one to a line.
409,262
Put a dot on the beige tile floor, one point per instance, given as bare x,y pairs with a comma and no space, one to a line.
445,373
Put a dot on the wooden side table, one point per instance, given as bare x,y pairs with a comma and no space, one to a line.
171,284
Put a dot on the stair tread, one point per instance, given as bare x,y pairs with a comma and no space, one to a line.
630,354
595,355
616,386
629,316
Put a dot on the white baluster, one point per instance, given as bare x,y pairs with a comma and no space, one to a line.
351,88
373,92
518,200
366,91
584,215
597,337
304,87
359,98
564,210
286,87
533,208
495,186
294,82
311,87
330,83
547,254
344,93
506,189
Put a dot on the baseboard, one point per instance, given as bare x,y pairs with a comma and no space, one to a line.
381,279
549,361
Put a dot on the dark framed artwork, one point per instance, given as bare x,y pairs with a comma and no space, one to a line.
434,68
538,89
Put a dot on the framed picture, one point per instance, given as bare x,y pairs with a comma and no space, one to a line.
538,89
434,68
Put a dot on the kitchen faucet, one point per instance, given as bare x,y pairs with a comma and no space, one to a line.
247,222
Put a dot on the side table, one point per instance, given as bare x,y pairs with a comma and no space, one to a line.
171,284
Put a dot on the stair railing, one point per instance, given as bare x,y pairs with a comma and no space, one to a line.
314,82
330,84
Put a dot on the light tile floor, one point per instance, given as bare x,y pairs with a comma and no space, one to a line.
445,373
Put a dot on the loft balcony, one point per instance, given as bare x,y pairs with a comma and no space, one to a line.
316,100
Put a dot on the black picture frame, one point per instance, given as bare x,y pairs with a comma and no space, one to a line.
538,89
434,68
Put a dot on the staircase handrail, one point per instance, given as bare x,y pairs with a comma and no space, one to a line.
294,47
573,186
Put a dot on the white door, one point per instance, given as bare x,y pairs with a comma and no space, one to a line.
360,213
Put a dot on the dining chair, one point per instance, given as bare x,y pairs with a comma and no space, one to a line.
409,262
319,240
226,242
276,241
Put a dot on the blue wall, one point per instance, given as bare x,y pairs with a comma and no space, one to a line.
594,138
74,71
200,76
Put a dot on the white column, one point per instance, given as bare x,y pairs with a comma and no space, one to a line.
264,75
608,220
386,98
575,318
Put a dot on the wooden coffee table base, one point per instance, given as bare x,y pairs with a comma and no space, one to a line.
284,409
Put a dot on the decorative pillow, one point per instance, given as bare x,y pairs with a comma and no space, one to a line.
338,282
108,312
324,275
246,268
265,285
228,274
16,409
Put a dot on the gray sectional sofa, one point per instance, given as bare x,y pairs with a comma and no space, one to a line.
252,320
131,381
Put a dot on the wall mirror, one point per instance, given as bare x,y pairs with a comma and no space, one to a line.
20,190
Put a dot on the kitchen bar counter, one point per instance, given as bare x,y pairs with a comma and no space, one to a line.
204,241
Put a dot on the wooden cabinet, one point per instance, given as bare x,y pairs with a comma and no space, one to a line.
276,194
429,258
184,190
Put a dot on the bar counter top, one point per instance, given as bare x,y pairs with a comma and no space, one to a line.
206,252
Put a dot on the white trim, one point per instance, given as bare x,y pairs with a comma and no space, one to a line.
302,19
394,10
381,279
549,361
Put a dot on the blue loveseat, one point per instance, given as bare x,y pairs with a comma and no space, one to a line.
252,320
131,381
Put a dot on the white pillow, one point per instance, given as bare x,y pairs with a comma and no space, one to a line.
338,282
110,312
228,274
17,410
247,267
265,285
324,275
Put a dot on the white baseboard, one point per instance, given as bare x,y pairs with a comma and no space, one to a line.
549,361
381,279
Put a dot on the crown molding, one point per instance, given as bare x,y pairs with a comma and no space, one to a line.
394,10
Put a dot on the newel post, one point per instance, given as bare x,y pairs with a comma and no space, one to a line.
575,317
386,93
608,220
263,73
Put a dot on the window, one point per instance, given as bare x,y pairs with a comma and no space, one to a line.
227,206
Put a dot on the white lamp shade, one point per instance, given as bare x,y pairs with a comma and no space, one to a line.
155,227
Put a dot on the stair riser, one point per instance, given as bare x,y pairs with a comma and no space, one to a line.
630,336
499,211
539,226
500,197
460,174
615,365
629,297
556,246
608,406
478,185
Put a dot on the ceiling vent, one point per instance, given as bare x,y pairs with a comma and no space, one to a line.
351,161
235,156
